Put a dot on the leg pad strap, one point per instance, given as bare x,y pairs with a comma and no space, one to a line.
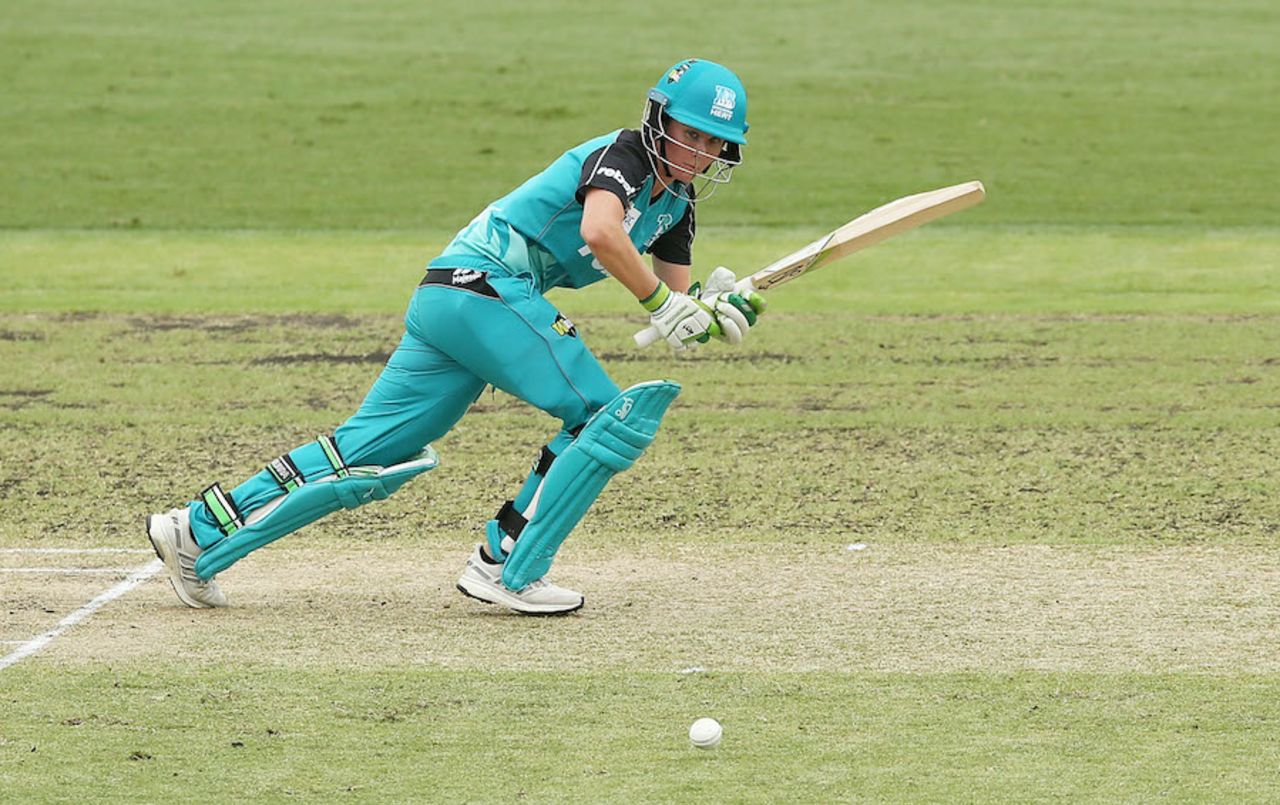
309,502
504,529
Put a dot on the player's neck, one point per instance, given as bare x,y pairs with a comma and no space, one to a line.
663,183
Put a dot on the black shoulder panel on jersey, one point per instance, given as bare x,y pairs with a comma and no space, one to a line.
620,167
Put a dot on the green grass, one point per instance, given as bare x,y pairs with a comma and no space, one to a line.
287,114
1053,419
619,737
963,269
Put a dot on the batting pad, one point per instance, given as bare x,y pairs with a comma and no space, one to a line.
608,444
308,503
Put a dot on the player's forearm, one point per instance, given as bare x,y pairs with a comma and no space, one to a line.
618,255
601,229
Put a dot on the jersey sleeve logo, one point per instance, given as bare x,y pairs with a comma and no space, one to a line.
616,175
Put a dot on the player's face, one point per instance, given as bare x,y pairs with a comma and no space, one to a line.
689,151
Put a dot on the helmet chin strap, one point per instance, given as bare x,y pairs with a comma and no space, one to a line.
664,162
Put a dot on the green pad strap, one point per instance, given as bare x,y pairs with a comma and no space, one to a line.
223,509
330,448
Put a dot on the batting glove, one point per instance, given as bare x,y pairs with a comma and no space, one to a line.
734,313
683,320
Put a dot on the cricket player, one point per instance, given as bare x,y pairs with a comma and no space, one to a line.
479,318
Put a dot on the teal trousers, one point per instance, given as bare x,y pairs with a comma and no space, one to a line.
464,329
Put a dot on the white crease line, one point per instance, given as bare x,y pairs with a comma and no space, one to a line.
75,550
88,571
40,641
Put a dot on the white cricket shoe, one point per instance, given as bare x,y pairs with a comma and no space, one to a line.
170,535
483,580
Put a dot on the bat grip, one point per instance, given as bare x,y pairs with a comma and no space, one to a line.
647,337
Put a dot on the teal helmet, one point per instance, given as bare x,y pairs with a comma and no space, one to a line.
705,96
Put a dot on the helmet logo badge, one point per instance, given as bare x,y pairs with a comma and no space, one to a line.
722,106
679,70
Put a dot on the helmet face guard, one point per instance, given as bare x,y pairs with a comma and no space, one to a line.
704,96
657,141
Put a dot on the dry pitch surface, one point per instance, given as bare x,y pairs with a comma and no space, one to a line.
881,608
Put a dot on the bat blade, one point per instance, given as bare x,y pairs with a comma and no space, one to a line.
868,229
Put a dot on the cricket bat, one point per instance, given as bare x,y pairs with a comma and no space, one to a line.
866,230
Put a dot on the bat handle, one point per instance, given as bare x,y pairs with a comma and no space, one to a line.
647,337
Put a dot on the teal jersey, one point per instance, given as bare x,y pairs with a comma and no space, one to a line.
534,229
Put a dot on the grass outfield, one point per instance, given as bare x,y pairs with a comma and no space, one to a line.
987,513
554,736
947,269
288,114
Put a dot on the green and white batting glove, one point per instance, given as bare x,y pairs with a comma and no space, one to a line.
734,312
682,320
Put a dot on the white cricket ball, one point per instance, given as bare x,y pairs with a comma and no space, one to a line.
705,733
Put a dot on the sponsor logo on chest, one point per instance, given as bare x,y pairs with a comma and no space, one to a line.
664,223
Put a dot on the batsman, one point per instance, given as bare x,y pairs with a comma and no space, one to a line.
479,318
